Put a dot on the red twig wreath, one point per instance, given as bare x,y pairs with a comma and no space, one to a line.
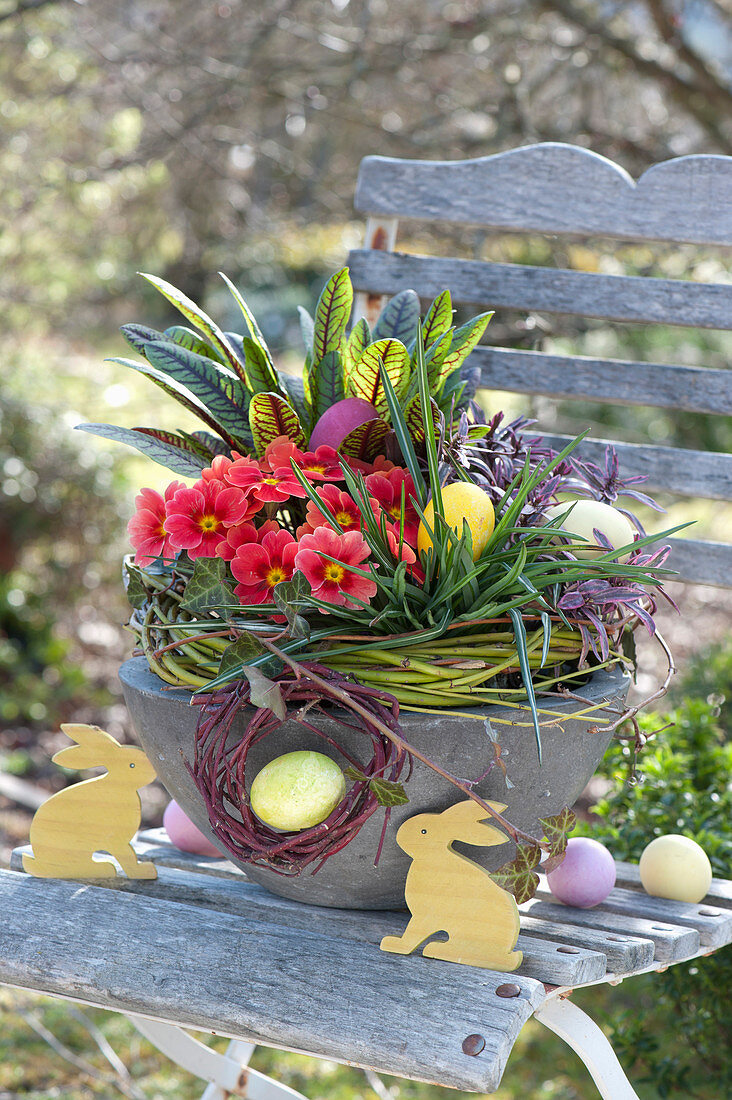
219,770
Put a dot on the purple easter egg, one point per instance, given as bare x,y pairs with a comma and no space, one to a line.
585,876
339,420
184,834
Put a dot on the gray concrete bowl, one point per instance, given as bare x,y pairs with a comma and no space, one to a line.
166,723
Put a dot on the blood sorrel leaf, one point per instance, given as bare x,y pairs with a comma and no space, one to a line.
260,374
415,420
221,393
519,877
207,589
173,451
187,338
264,693
438,319
365,379
271,416
240,653
356,345
331,315
307,328
386,792
138,336
201,320
366,441
183,397
251,323
464,340
326,384
399,317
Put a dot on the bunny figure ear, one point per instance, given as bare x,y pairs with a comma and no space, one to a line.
468,822
92,748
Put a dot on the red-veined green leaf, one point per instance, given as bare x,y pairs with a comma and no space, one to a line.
251,323
356,345
271,416
464,340
366,441
326,383
365,378
201,320
260,374
399,319
331,315
438,319
415,420
170,450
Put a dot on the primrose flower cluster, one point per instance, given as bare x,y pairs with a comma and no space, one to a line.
257,516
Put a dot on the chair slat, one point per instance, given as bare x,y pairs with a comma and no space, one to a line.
706,474
619,382
700,562
628,298
558,188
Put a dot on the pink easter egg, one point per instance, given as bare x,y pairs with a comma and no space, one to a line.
585,876
340,419
185,835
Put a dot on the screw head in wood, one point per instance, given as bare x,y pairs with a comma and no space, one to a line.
473,1045
510,989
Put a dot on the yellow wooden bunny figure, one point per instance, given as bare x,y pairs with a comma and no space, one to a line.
447,892
97,815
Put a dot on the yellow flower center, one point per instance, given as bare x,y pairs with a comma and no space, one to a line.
334,572
344,519
208,523
314,469
274,576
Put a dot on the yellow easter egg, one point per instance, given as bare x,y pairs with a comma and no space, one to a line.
297,790
461,500
586,516
676,867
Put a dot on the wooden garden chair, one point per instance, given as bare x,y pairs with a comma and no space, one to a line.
202,948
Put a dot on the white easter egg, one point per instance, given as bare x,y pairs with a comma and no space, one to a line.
586,516
674,866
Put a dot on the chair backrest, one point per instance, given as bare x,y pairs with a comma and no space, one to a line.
567,191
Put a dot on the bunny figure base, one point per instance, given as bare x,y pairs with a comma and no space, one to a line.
572,748
100,815
447,892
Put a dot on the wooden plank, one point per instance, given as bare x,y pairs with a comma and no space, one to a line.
557,188
720,893
713,924
705,474
274,986
618,382
702,562
624,954
556,963
625,298
672,942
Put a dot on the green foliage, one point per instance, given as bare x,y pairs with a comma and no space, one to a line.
686,788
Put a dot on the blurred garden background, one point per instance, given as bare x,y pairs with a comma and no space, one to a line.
184,139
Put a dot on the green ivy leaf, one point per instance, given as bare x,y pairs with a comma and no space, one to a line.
240,653
265,693
208,590
519,876
135,590
386,791
289,597
556,830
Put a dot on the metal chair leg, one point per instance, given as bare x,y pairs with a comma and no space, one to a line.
590,1042
228,1074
